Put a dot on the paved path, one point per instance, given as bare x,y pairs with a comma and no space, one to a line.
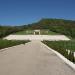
32,59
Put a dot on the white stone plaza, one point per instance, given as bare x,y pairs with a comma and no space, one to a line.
37,37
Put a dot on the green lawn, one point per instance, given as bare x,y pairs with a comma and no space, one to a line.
9,43
22,33
70,45
30,32
52,33
63,47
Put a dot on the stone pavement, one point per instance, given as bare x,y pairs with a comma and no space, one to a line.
32,58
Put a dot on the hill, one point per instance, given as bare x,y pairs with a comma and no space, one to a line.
61,26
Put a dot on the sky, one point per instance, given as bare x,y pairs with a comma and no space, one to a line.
21,12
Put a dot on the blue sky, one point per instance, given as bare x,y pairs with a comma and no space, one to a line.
19,12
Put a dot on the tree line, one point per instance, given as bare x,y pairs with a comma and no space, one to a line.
61,26
6,30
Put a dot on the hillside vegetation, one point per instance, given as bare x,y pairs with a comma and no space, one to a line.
62,26
6,30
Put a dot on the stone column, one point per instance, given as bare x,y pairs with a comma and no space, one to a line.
39,32
34,33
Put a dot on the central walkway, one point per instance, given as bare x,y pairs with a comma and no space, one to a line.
32,58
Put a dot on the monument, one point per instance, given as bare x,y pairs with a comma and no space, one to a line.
36,32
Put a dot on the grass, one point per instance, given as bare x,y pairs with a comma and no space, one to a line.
63,47
31,32
52,33
9,43
70,45
22,33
